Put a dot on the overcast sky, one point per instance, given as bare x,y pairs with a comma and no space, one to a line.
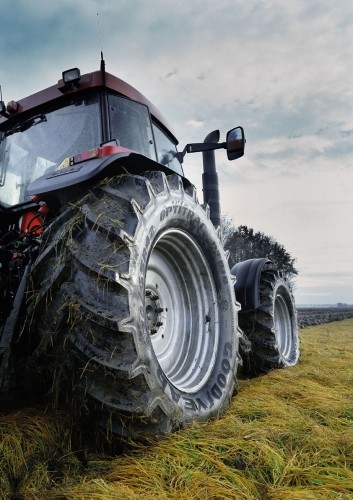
281,69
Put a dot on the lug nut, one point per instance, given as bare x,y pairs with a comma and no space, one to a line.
159,323
160,309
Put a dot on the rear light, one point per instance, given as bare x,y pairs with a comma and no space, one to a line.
105,150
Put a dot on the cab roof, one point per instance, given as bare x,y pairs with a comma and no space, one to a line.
95,80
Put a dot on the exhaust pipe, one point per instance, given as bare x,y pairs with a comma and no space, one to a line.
210,180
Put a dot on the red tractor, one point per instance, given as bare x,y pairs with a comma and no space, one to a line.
117,298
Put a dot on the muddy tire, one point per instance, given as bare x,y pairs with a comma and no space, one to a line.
272,329
135,307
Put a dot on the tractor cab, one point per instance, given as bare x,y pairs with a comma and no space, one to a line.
53,132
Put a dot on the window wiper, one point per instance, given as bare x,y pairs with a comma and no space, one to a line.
25,125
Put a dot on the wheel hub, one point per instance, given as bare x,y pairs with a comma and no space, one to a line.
153,311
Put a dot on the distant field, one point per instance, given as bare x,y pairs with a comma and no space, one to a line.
316,315
286,436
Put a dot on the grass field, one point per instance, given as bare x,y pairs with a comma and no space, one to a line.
287,435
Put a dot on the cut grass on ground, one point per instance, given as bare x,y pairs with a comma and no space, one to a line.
287,435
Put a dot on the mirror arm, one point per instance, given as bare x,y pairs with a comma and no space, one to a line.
204,146
198,147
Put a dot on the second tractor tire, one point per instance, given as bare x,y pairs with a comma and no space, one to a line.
272,329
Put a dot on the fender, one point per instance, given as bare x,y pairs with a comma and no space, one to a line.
64,184
247,286
83,171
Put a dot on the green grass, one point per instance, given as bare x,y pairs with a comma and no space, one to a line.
287,435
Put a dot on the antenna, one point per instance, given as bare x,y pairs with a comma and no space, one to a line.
100,35
100,44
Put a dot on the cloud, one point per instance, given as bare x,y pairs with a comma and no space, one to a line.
171,73
195,123
283,70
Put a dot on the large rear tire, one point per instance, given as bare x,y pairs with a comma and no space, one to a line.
135,310
272,329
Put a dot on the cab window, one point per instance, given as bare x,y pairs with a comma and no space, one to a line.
166,150
130,125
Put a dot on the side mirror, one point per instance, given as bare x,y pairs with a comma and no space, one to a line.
235,143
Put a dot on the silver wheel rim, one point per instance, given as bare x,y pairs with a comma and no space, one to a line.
181,310
283,326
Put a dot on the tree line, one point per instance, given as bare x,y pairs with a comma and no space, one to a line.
244,243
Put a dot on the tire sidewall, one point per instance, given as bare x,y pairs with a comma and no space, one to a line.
176,210
282,289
